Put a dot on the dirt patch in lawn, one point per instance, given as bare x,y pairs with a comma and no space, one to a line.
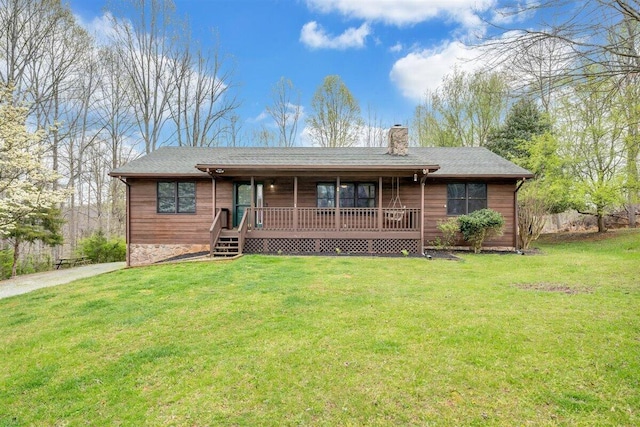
554,287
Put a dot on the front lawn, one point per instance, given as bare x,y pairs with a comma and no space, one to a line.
549,339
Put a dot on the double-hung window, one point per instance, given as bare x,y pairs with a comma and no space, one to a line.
352,195
464,198
326,195
176,197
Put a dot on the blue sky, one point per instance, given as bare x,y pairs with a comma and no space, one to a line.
388,52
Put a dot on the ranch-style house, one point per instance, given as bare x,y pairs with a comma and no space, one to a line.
225,201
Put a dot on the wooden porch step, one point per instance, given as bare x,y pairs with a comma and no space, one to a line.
227,246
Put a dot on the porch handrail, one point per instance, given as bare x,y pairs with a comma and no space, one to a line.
215,230
343,220
242,229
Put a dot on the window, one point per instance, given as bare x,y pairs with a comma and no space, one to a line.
463,198
358,195
176,197
326,195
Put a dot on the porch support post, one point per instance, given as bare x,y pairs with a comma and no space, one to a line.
213,197
295,203
337,218
379,203
422,214
253,202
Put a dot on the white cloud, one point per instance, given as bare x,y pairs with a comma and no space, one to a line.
259,118
406,12
396,48
314,36
422,71
100,27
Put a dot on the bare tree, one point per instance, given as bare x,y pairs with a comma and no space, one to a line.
335,120
145,46
263,137
538,69
581,29
115,119
463,110
285,111
375,132
27,25
203,96
533,208
57,81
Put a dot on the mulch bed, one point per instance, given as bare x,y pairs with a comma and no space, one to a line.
184,257
429,254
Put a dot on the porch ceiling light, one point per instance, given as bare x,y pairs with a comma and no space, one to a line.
219,170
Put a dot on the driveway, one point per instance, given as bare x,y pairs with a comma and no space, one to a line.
31,282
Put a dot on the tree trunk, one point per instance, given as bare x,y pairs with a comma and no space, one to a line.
601,226
16,251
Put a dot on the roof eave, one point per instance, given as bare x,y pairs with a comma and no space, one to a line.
211,168
484,176
158,175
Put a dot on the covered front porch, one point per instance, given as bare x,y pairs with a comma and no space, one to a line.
307,212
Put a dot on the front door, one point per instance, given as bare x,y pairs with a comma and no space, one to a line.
242,201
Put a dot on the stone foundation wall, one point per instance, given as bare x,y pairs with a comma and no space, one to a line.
149,254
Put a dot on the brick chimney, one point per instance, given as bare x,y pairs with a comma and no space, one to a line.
398,140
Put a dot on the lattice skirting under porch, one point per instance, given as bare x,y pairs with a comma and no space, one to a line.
369,246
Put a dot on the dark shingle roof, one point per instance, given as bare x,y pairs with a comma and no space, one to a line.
459,161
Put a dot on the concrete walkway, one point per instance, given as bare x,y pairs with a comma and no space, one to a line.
31,282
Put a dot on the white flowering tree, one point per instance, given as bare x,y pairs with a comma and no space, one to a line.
25,182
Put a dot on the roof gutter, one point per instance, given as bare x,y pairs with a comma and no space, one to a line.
221,168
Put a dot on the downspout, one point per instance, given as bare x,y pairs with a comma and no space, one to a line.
127,222
422,185
515,213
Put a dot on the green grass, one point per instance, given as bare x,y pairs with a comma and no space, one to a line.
549,339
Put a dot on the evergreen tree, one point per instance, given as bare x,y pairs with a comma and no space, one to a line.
44,225
524,121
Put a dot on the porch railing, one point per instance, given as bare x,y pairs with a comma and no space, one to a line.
214,231
332,219
242,230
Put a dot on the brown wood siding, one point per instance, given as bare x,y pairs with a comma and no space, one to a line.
224,194
500,198
409,191
280,195
150,227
